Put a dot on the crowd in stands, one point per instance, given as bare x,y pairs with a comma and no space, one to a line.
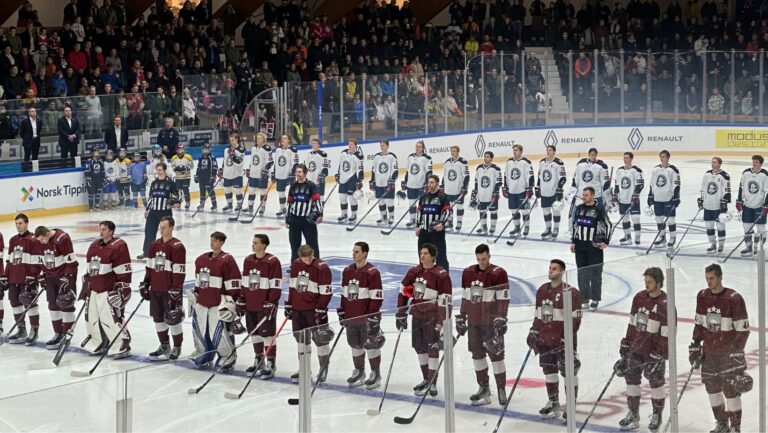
103,65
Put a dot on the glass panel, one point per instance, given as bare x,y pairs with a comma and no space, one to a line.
474,93
214,98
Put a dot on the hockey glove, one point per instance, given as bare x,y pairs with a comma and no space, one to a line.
66,283
371,186
227,309
359,186
700,203
401,321
175,295
269,309
528,193
676,202
624,348
463,192
739,206
532,340
374,325
321,316
723,206
504,192
240,307
30,283
461,324
500,325
635,200
197,179
340,312
288,311
650,200
695,354
248,173
655,366
763,211
119,295
559,195
391,186
220,173
537,191
338,178
4,284
738,360
144,290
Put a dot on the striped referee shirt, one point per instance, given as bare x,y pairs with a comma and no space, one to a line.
434,208
591,224
163,194
304,201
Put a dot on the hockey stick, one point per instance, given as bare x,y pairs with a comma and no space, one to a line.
511,393
658,232
469,234
76,373
218,367
68,336
232,395
330,194
245,191
375,412
510,219
742,239
262,204
391,229
680,242
21,318
680,396
401,420
359,221
599,397
218,181
295,401
616,225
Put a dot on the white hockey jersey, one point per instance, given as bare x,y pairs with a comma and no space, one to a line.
628,182
233,162
551,177
753,188
665,184
351,166
518,175
260,162
487,182
111,171
419,167
318,165
594,174
715,188
384,169
455,176
286,160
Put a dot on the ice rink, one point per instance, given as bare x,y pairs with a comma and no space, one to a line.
52,400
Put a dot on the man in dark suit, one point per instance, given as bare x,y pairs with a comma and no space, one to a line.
116,136
29,130
69,130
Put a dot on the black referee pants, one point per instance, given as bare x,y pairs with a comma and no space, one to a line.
151,226
438,240
299,226
589,261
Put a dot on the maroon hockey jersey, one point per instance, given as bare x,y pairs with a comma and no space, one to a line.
310,286
721,321
647,330
2,248
486,294
108,263
216,276
361,292
57,257
424,285
22,259
549,314
262,278
166,265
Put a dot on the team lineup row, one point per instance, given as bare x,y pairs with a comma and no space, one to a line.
225,292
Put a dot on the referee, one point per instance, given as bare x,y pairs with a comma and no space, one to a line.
434,210
305,212
163,196
591,228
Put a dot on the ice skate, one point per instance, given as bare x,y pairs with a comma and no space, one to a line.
630,422
295,378
31,338
655,422
410,224
550,410
161,354
482,230
20,336
252,368
357,378
721,427
227,208
747,252
421,388
660,242
125,351
175,353
482,396
54,342
340,219
515,232
502,394
323,375
712,249
593,305
626,240
374,380
546,235
352,219
526,230
267,371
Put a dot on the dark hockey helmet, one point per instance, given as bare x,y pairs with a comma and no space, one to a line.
322,335
27,296
741,383
495,345
621,367
375,341
561,363
173,316
401,195
206,148
66,299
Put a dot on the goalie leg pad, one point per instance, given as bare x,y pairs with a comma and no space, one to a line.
200,332
92,324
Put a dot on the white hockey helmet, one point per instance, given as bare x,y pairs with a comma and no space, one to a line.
557,206
649,211
724,217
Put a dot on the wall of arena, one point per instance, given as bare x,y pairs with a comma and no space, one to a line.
64,190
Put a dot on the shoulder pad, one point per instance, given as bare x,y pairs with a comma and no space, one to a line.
413,154
601,163
293,149
377,154
748,170
240,148
188,156
709,171
526,159
582,160
496,167
393,155
558,161
448,160
638,169
764,171
543,160
725,175
462,160
267,147
674,168
322,153
426,155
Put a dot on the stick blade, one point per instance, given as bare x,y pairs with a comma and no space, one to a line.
349,229
401,420
192,391
77,373
231,396
293,401
47,365
233,219
373,412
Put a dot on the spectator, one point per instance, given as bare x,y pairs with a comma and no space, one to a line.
69,130
93,114
716,102
116,136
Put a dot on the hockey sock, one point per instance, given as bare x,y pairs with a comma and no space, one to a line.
636,225
657,396
272,353
383,210
177,333
424,364
358,358
547,217
239,199
2,311
97,199
553,386
516,219
484,222
56,321
353,205
499,370
459,213
672,228
626,226
251,199
556,220
67,319
187,197
34,317
212,195
228,195
710,231
374,358
633,397
258,345
494,219
433,361
343,204
17,314
481,367
661,227
162,332
734,411
281,199
526,218
717,401
323,354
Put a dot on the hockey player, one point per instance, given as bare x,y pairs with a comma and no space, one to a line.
3,283
260,292
111,176
547,335
384,173
163,287
59,277
360,313
549,188
206,176
455,185
753,203
20,280
421,287
286,158
350,179
138,173
483,314
664,197
628,183
643,350
415,183
307,306
181,165
714,199
212,305
318,166
152,161
590,172
257,172
518,190
108,263
722,325
485,194
94,179
232,172
124,178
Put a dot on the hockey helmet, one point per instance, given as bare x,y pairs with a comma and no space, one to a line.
401,195
495,345
375,341
322,335
28,295
561,363
649,211
557,206
359,195
206,148
173,316
621,367
157,150
66,299
725,217
741,383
